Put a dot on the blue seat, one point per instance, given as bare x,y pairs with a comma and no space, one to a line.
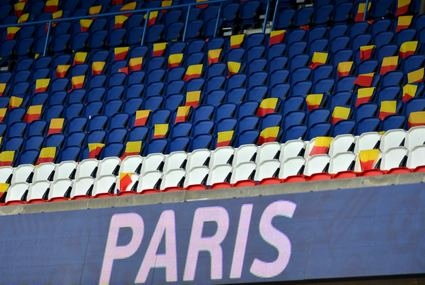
343,127
298,61
319,130
159,117
172,102
414,105
367,66
214,83
217,69
393,122
270,120
338,30
236,81
296,35
383,39
277,77
70,153
381,8
345,84
248,11
55,140
15,115
132,105
318,116
155,146
319,45
301,88
200,142
134,91
365,111
342,12
116,136
367,125
75,139
246,137
203,112
135,35
393,78
323,14
225,111
381,25
138,134
280,91
294,132
322,72
247,109
33,143
79,41
299,75
257,78
154,33
277,63
178,144
255,52
36,128
360,40
405,36
13,144
296,49
174,31
215,97
357,29
28,157
412,63
387,50
338,44
181,130
247,123
119,120
276,50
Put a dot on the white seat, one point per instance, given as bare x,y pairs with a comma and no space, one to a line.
342,144
152,162
197,158
367,141
317,164
43,172
196,176
219,174
108,166
173,178
267,169
393,158
59,188
6,174
290,149
343,161
244,153
16,192
244,171
415,137
267,151
131,164
149,181
392,138
416,157
22,173
82,187
65,170
292,166
175,160
87,168
38,190
222,155
105,184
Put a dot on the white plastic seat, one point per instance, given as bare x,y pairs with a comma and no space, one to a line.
87,168
392,138
219,174
173,178
104,185
416,157
342,144
222,155
82,187
367,141
394,158
149,181
175,160
292,166
152,162
59,188
38,190
267,151
6,174
65,170
196,176
244,171
317,164
108,166
415,137
22,173
290,149
131,164
244,153
267,169
43,172
197,158
343,161
16,192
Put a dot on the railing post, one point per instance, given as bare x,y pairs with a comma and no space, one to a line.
186,22
145,28
46,42
218,19
365,10
275,13
266,16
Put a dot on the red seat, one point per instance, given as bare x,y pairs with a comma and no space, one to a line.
59,199
295,178
372,172
81,197
320,176
104,195
399,170
127,193
11,203
172,189
150,191
269,181
197,187
420,169
37,201
345,174
221,185
245,183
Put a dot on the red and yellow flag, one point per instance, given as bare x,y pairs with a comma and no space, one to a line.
132,148
233,67
340,113
129,6
15,102
416,119
344,68
369,158
364,95
361,10
126,179
166,3
314,101
80,57
389,63
56,15
41,85
3,189
269,134
77,82
408,48
224,138
160,131
403,22
141,118
158,49
47,155
62,70
97,67
321,145
402,7
11,32
95,149
364,80
182,114
236,40
33,113
193,98
55,126
119,21
193,71
267,106
174,60
2,88
19,8
94,10
153,15
276,37
319,58
387,108
23,18
120,53
135,63
409,92
51,6
366,52
416,76
214,55
85,25
3,112
7,157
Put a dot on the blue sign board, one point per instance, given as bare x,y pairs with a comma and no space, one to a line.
327,234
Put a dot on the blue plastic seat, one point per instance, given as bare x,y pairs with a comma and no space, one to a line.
293,119
134,91
284,19
323,14
343,127
393,78
318,116
181,130
178,144
299,75
338,44
295,36
247,123
117,135
36,128
97,123
15,115
70,153
367,125
342,12
13,144
200,142
173,31
28,157
155,146
138,134
365,111
393,122
276,50
225,111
